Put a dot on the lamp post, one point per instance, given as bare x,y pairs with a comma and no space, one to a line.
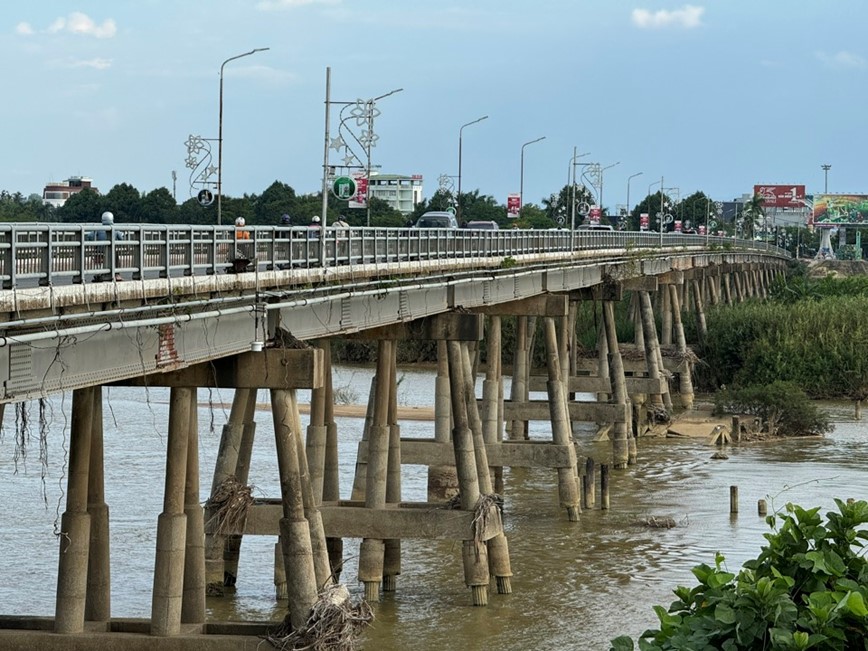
370,141
826,167
220,133
603,169
521,181
460,134
629,178
661,205
571,181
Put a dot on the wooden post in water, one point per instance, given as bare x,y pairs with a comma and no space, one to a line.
294,528
590,478
98,603
568,491
474,554
168,590
761,508
736,429
733,499
193,604
75,521
604,487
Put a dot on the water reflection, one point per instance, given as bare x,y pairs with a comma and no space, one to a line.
576,585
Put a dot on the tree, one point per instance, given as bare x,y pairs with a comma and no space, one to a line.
159,207
558,206
84,206
125,202
440,200
278,199
651,205
753,214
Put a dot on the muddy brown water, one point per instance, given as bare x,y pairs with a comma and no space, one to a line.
575,585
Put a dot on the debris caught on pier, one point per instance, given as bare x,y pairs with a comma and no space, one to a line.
658,522
482,513
229,506
334,624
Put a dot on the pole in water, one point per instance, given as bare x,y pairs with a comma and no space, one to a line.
761,508
604,486
733,499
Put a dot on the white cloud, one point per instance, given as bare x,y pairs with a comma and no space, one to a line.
96,63
688,17
79,23
24,29
277,5
842,59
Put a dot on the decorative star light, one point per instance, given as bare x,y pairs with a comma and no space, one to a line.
210,171
349,159
337,143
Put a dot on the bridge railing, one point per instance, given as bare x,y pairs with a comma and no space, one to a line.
41,254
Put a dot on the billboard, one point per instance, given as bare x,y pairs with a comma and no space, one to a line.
513,205
781,196
360,198
594,214
832,210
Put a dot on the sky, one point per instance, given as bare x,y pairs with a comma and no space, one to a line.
713,96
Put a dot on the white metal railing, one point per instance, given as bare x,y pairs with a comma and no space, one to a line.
55,254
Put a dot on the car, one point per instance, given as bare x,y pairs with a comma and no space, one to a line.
437,219
595,227
482,224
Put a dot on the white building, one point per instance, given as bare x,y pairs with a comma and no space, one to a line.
401,192
56,194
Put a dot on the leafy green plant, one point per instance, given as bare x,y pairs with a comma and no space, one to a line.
783,408
508,262
808,589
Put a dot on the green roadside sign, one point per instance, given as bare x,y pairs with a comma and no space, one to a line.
344,188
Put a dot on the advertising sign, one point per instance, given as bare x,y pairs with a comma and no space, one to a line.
594,214
360,197
832,210
513,205
781,196
701,229
344,187
677,225
643,221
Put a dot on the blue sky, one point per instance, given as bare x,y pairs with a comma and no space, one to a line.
715,95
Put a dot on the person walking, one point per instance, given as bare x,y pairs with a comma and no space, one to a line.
107,236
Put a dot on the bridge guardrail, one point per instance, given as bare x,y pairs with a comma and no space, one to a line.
57,254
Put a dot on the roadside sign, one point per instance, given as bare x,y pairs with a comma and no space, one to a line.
344,188
205,197
359,198
513,205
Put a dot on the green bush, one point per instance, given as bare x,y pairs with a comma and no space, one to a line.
807,589
782,406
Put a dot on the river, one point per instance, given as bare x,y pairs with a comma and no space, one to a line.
576,585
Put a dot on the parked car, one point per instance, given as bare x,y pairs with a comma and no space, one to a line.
483,224
437,219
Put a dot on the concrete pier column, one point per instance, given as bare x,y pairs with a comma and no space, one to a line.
331,491
491,391
738,283
651,346
636,314
574,344
294,529
602,359
727,289
442,480
193,604
666,317
312,514
474,553
701,327
226,466
360,476
232,549
315,442
685,382
172,523
623,443
98,603
72,569
392,547
568,490
518,388
371,552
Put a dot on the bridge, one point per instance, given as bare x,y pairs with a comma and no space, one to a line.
198,306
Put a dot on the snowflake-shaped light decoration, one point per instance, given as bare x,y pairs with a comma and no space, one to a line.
369,139
195,144
191,162
360,112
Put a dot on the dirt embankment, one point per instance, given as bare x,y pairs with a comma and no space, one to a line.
837,268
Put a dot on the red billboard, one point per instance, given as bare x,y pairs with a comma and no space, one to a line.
513,205
781,196
594,215
643,221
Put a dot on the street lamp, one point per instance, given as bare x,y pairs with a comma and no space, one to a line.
460,133
629,178
521,182
220,133
826,167
572,184
661,205
601,182
370,141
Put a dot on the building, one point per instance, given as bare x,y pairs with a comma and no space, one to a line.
401,192
56,194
